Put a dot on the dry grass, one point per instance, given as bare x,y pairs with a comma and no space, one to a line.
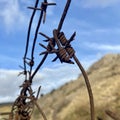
70,102
3,109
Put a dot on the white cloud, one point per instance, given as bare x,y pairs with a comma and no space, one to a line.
106,47
48,78
98,3
11,15
52,78
9,84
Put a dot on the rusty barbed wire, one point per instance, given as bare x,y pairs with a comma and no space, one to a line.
26,60
59,28
65,52
23,106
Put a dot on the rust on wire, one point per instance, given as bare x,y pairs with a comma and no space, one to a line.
53,41
23,106
58,44
65,53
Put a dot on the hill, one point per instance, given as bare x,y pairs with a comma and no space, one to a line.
70,102
5,108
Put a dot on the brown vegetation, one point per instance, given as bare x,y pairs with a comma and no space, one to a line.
70,102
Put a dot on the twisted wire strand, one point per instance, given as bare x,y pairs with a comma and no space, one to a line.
64,58
44,6
35,36
80,66
28,34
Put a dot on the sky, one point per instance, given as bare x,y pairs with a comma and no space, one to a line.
97,27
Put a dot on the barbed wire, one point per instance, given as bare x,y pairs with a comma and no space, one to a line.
57,44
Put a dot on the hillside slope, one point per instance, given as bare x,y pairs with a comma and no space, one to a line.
70,102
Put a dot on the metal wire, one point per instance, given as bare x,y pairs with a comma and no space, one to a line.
24,104
67,52
28,34
59,28
64,53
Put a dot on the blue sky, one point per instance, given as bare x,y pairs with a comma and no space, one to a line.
96,23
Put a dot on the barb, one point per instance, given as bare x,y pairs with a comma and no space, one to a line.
24,104
69,52
65,52
44,6
30,61
23,107
59,28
